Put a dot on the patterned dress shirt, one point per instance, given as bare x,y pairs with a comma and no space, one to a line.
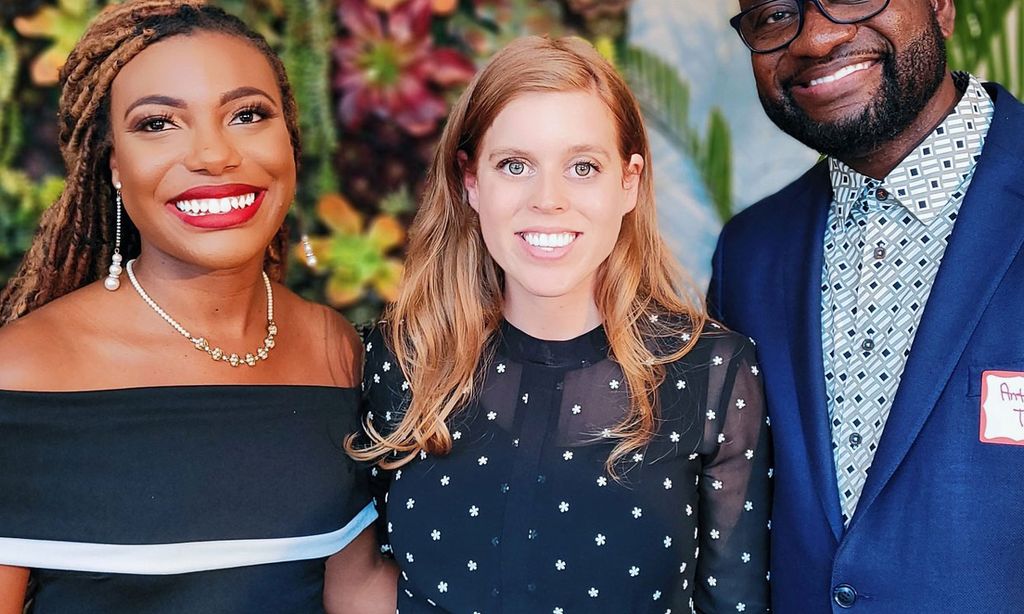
883,244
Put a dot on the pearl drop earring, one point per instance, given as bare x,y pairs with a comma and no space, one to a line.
113,280
307,249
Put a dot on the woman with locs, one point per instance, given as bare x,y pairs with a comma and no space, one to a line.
171,416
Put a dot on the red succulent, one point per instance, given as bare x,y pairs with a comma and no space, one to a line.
388,66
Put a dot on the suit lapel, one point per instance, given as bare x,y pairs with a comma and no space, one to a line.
986,238
802,291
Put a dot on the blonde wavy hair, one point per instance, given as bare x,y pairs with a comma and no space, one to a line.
449,309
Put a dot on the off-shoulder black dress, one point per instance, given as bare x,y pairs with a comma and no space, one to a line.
523,517
219,499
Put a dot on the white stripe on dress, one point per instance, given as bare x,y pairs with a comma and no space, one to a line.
185,557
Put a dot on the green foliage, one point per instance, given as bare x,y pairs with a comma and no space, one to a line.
260,15
22,201
10,134
665,100
398,203
987,41
62,25
715,163
306,54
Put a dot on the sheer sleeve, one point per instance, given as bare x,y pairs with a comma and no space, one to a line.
385,396
735,485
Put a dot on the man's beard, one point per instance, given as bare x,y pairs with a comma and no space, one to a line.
909,80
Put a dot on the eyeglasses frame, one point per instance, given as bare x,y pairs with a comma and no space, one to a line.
801,15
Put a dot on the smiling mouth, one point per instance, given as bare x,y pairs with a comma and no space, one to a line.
842,73
214,206
549,241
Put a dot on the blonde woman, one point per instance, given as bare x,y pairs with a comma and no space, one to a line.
559,426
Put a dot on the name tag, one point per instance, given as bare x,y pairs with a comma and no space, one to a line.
1002,407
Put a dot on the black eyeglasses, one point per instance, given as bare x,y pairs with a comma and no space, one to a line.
773,24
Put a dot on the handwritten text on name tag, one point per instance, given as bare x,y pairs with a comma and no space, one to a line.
1002,407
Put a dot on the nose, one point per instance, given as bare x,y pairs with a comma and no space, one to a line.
820,35
212,152
551,198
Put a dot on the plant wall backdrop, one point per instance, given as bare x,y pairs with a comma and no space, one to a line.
374,81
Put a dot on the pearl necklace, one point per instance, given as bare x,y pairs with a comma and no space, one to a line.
201,343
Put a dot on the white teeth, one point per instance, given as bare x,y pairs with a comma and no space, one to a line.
842,72
212,206
549,241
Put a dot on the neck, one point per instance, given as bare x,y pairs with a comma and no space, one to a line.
552,318
880,162
231,302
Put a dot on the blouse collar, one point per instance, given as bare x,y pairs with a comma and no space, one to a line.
587,349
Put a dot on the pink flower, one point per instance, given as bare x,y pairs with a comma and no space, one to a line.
388,66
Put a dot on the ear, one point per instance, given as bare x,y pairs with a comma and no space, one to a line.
631,181
469,181
115,175
945,14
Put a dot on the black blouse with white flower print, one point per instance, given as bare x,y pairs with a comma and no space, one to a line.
521,516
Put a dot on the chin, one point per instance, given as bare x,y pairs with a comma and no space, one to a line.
224,259
550,290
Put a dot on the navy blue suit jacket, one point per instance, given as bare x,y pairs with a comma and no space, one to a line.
940,524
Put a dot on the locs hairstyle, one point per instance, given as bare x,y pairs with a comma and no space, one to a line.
76,234
450,305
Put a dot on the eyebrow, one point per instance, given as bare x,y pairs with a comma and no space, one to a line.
241,92
166,101
577,149
178,103
596,149
508,152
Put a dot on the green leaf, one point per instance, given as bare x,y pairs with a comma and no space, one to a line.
716,164
306,54
664,98
986,41
22,201
10,121
398,202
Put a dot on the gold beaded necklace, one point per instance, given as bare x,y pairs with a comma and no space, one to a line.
201,343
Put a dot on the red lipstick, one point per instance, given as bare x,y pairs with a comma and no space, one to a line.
227,219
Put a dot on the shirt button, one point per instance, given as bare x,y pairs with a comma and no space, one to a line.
504,488
495,592
855,439
844,596
531,587
879,253
882,194
868,345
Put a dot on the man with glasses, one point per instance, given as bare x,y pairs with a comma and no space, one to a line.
885,289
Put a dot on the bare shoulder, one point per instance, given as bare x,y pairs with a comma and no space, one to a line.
38,351
340,333
329,335
343,347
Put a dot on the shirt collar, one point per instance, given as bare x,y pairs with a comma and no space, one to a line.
587,349
927,179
